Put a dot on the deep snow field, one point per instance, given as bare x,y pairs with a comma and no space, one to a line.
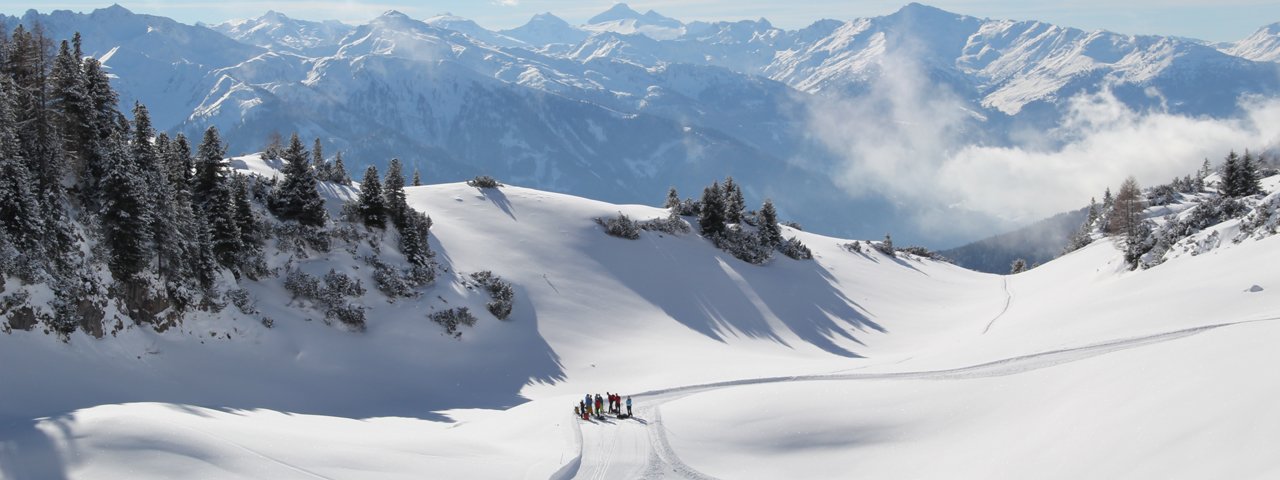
850,365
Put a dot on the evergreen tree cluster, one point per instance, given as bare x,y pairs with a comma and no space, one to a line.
83,184
1240,176
722,217
1145,241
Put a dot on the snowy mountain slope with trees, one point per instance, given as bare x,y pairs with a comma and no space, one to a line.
170,310
708,93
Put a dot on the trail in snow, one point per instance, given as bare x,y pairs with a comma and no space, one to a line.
638,448
1008,299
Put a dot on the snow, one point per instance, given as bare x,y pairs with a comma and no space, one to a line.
850,364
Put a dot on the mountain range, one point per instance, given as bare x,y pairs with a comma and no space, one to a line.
629,104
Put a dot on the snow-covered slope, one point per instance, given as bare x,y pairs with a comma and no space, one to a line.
1262,46
792,368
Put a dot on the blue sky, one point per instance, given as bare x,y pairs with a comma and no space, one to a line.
1220,20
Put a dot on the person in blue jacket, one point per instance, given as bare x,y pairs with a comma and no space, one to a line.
628,406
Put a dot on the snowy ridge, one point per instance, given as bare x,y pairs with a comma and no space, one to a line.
1262,46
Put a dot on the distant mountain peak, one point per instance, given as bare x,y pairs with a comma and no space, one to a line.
393,14
619,11
274,16
114,9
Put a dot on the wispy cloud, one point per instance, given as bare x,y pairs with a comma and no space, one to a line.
907,139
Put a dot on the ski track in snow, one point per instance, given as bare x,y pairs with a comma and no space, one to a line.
1008,299
649,455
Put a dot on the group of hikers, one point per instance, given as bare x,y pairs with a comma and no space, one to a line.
596,406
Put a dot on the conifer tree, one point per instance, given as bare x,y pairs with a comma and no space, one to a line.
734,204
338,171
248,225
70,101
126,217
393,193
170,241
297,199
1231,179
711,214
19,204
371,206
770,232
323,172
210,169
417,177
1249,181
1019,266
673,199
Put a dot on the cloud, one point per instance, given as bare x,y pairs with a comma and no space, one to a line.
914,142
507,3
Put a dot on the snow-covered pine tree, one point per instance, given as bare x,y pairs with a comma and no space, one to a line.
70,102
338,171
297,198
170,241
213,196
371,206
393,193
103,119
711,214
734,204
251,233
126,214
1250,181
673,199
770,232
274,146
1231,179
210,169
417,177
1018,266
324,172
19,204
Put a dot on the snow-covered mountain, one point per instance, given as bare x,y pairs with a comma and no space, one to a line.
622,19
275,31
555,106
546,29
733,368
1262,46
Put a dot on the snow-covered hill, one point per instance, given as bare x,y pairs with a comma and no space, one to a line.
791,368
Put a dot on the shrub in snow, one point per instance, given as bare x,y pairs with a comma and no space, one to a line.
793,225
450,319
268,322
484,181
743,245
923,252
672,224
342,285
1018,266
350,314
331,296
885,247
301,284
792,247
620,226
241,299
500,293
397,283
854,246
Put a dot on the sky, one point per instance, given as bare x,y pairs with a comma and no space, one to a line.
1213,20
